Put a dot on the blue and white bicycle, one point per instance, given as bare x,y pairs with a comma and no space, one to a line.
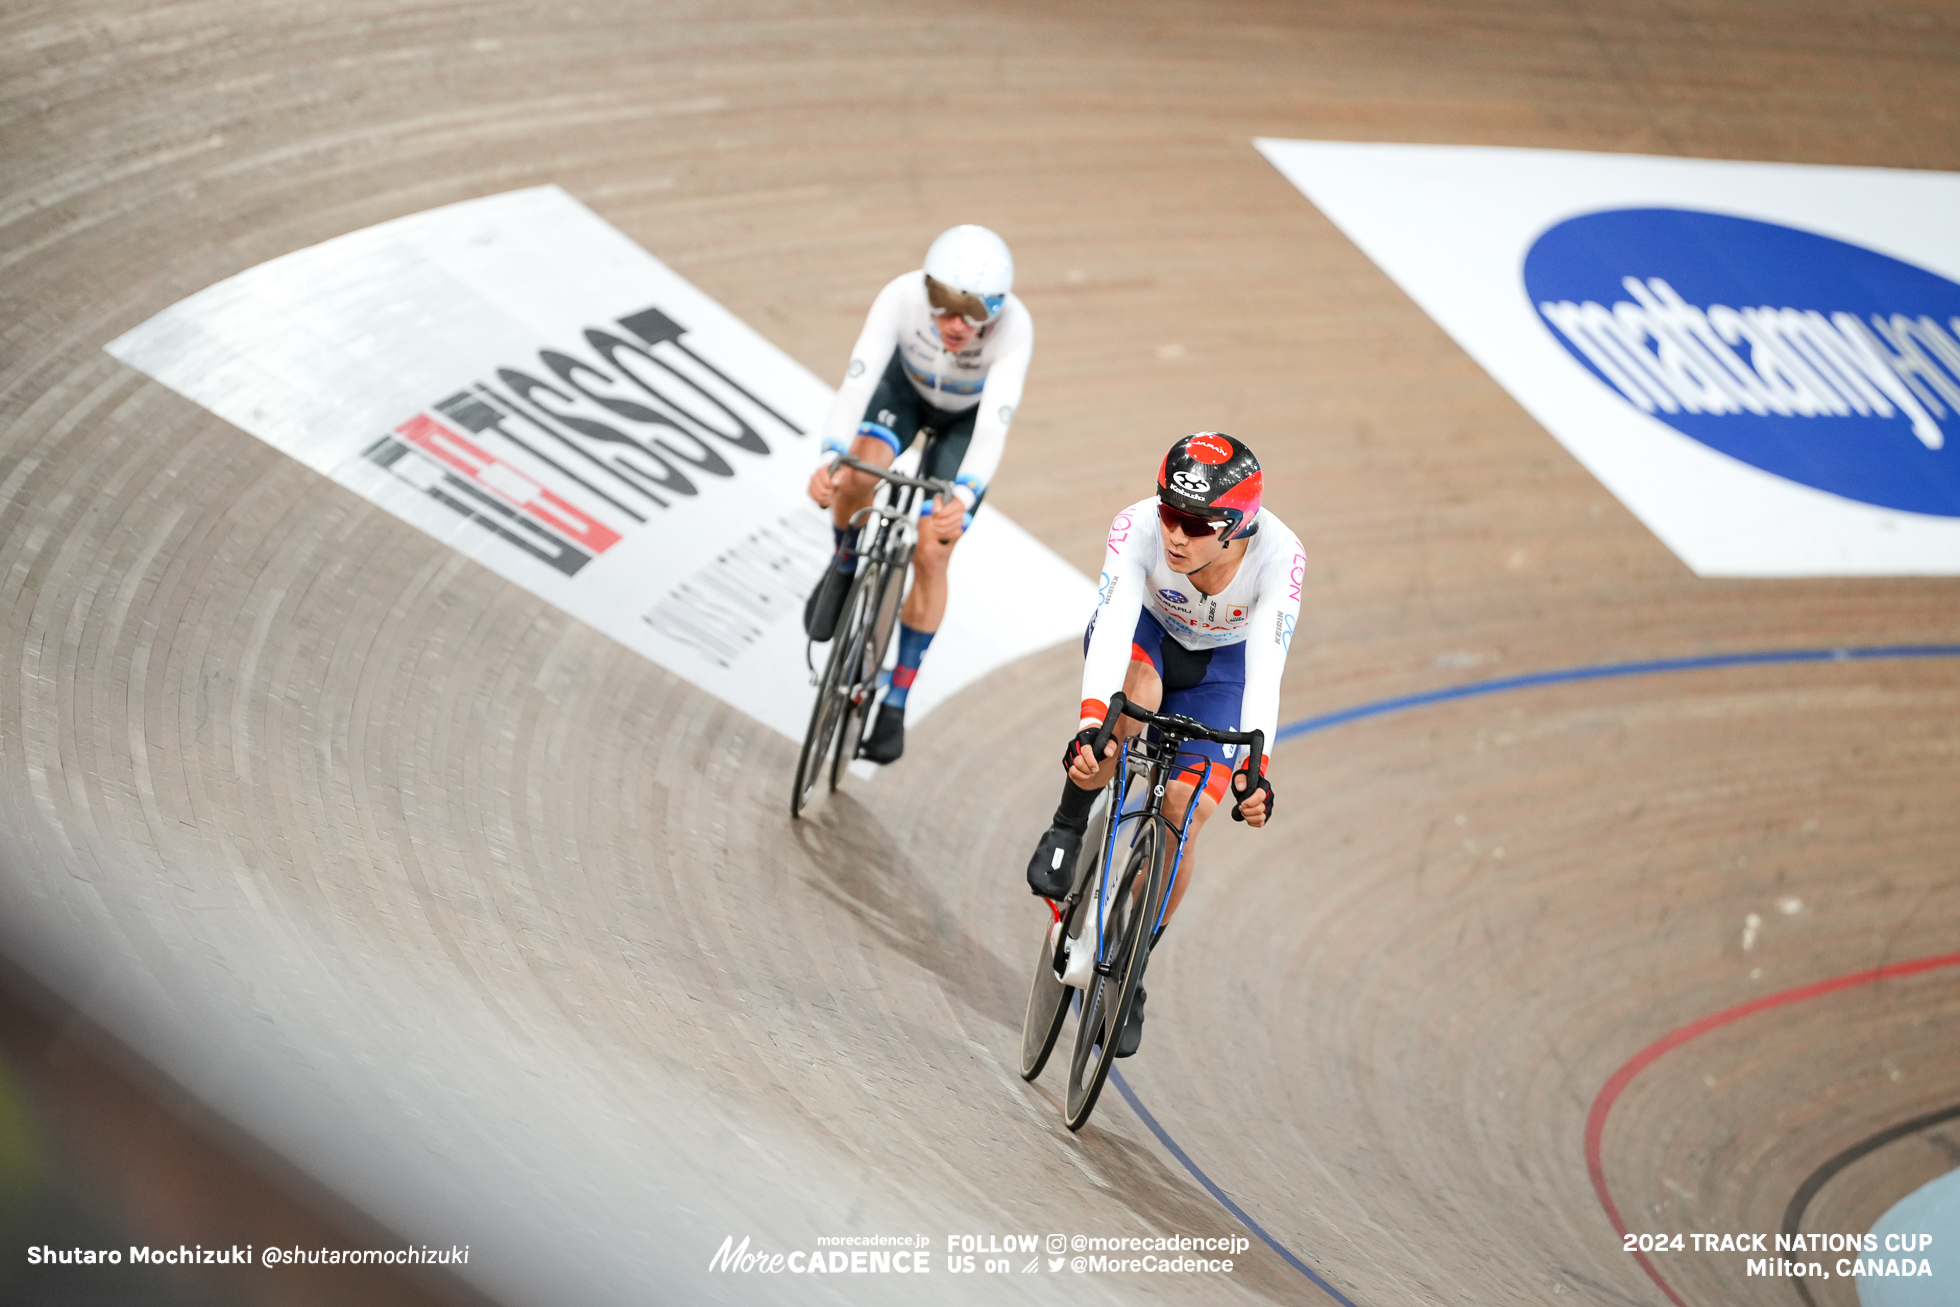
1093,955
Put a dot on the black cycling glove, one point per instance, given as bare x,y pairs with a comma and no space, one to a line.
1084,742
1245,792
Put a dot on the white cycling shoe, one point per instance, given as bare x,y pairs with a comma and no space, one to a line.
1081,955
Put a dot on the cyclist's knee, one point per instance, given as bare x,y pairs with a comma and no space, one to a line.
1177,801
855,488
874,450
933,554
1142,686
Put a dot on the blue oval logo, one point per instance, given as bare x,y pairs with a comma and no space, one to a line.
1173,597
1823,362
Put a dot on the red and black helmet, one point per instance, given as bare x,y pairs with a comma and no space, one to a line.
1213,477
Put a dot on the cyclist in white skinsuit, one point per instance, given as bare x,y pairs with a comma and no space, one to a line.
1200,592
944,351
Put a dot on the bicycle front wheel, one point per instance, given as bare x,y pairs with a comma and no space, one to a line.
1107,1000
880,617
833,697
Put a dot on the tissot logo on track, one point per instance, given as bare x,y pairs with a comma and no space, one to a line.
563,459
1823,362
521,381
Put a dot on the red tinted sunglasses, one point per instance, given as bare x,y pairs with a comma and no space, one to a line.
1188,523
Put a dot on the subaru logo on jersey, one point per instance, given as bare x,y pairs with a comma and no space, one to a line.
1823,362
1173,597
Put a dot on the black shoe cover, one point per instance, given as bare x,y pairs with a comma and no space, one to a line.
1051,871
810,604
826,603
1126,1043
887,738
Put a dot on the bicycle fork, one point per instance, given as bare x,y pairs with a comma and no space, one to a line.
863,550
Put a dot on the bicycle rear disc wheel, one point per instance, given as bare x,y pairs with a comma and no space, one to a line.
1048,997
1106,1002
827,713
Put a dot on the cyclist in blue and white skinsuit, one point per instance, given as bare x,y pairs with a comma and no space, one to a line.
944,353
1200,591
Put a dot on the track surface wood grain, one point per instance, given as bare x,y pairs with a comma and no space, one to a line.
503,933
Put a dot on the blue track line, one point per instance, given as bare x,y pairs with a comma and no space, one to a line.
1476,689
1164,1138
1607,671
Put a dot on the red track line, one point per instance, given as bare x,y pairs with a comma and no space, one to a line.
1610,1092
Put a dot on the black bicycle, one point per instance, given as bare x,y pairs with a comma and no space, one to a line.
1093,954
888,532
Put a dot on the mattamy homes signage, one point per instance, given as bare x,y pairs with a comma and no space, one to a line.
521,381
1762,361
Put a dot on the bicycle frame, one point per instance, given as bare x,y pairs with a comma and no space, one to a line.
848,682
1152,811
902,510
1174,732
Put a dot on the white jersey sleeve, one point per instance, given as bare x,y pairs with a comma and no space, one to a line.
869,358
1132,546
1270,633
998,399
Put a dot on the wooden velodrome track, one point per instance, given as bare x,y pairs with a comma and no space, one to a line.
505,934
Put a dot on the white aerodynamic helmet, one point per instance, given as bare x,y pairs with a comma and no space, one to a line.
969,272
